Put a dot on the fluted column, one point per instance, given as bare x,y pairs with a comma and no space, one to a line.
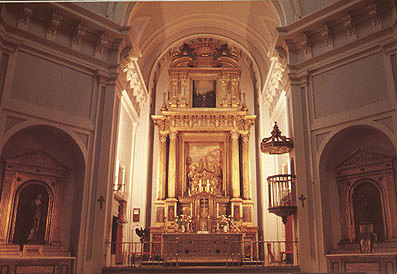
235,166
161,183
172,165
246,167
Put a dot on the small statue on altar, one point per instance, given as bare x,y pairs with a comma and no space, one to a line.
193,177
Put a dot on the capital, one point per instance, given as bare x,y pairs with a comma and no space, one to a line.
163,137
173,135
235,135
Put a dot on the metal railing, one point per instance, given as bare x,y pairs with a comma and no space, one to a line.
140,254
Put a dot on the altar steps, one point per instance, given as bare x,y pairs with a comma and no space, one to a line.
208,269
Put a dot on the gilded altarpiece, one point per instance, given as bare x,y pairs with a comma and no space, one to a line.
203,180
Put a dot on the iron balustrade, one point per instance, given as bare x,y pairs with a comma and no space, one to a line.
259,253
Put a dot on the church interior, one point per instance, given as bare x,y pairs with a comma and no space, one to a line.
152,134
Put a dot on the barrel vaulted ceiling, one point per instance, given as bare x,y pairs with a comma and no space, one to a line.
158,26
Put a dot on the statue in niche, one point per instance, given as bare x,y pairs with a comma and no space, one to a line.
368,210
31,217
204,93
37,208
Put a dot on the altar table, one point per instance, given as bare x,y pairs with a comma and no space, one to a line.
199,247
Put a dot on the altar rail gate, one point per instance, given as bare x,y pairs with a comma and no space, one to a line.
261,253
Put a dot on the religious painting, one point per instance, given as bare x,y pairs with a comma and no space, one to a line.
247,214
159,214
31,214
204,167
204,93
237,212
171,213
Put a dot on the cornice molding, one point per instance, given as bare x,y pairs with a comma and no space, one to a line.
36,163
192,119
342,18
81,31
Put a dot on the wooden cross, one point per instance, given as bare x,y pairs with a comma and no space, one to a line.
101,200
302,198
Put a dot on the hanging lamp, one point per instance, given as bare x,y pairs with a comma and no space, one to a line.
276,143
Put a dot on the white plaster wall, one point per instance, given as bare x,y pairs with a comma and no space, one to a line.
52,85
125,144
310,6
97,7
139,192
350,86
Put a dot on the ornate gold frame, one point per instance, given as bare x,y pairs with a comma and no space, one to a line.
220,138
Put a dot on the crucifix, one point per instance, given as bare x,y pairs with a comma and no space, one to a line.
302,198
101,200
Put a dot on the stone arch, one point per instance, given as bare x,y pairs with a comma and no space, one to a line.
341,144
27,124
339,129
28,139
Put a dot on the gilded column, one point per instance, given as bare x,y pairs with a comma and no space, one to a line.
161,183
235,166
246,167
172,165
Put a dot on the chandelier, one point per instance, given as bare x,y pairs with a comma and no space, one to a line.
276,144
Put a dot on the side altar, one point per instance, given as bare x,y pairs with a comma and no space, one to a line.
203,171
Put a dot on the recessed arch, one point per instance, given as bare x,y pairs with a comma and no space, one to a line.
340,144
29,138
340,129
29,124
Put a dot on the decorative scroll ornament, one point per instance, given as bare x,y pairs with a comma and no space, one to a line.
276,144
136,88
195,52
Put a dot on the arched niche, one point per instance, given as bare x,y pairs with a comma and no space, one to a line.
367,198
48,157
366,203
32,213
352,156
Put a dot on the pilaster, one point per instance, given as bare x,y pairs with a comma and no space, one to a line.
172,165
162,171
235,164
246,167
